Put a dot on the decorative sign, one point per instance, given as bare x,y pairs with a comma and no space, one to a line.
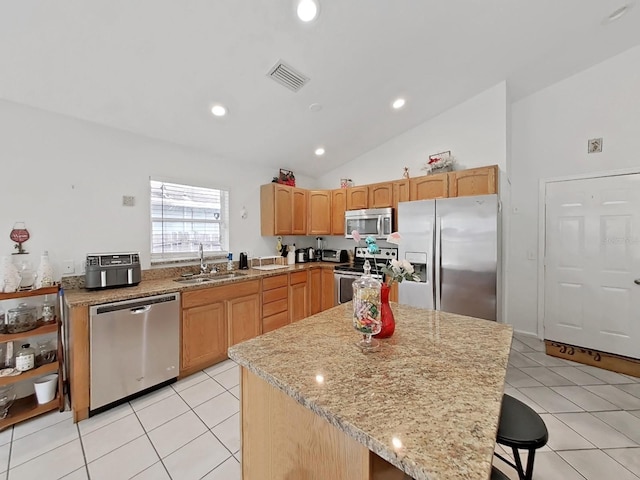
19,234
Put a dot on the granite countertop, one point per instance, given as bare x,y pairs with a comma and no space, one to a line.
428,402
80,297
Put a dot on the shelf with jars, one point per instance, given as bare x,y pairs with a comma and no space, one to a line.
26,367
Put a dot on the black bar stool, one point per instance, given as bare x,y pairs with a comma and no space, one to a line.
497,474
520,428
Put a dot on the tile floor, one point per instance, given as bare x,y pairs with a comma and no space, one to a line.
190,430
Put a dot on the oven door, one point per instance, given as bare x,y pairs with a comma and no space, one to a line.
343,282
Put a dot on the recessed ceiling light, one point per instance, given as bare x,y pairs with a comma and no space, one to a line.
219,110
307,10
398,103
616,14
319,151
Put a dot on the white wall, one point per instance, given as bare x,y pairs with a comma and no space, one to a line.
550,131
474,131
65,179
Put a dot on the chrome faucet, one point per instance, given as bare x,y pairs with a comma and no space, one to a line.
203,266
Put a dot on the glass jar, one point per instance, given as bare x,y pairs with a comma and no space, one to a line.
3,326
21,319
25,358
46,353
366,309
48,311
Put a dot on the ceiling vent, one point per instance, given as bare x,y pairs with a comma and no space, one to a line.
287,76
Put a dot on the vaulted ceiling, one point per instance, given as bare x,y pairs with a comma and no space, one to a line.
155,67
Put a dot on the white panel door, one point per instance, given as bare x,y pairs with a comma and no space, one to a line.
592,264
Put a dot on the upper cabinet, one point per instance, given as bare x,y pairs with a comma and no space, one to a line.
429,186
400,194
283,210
299,214
319,211
338,207
357,197
475,181
380,195
288,210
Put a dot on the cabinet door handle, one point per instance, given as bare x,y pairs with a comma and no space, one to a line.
637,281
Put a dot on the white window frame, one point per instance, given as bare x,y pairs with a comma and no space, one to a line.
168,256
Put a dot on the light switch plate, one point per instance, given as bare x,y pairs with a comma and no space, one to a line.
595,145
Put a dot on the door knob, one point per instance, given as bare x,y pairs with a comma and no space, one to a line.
637,281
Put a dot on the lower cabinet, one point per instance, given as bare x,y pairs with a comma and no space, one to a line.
328,289
298,297
244,318
275,302
315,291
204,335
214,319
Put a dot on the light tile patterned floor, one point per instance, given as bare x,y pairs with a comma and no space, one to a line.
190,430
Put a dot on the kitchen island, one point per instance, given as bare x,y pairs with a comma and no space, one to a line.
427,404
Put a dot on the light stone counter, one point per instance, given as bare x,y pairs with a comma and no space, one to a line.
428,402
80,297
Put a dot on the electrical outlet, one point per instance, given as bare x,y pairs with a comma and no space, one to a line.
595,145
128,200
67,267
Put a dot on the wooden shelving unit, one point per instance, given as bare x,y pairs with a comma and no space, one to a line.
28,407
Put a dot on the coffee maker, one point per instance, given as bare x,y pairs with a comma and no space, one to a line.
244,261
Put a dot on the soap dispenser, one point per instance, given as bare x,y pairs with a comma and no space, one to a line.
230,262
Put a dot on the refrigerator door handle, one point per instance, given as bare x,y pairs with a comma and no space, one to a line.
437,264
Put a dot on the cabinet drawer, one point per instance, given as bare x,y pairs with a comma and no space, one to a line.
206,296
274,322
275,294
274,282
275,307
298,277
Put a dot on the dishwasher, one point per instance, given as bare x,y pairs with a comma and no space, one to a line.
134,346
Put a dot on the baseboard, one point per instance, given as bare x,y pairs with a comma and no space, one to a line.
595,358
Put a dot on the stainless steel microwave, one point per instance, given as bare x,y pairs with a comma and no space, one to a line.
375,222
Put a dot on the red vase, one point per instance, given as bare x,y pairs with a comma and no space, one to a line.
386,314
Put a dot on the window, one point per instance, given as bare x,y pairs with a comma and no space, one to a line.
183,217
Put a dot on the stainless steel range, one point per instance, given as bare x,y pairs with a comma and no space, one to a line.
345,275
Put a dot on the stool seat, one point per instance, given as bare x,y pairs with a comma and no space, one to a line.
520,426
497,474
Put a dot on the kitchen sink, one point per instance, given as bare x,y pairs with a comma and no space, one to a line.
210,278
194,281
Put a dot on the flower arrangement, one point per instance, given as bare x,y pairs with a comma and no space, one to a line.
399,270
439,161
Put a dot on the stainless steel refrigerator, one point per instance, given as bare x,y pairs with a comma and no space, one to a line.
453,246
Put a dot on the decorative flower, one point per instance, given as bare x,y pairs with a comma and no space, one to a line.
399,270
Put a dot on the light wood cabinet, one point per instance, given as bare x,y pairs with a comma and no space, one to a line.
475,181
275,302
319,212
357,197
400,194
204,335
214,319
298,296
315,291
276,209
338,207
328,289
299,213
381,195
244,318
429,186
